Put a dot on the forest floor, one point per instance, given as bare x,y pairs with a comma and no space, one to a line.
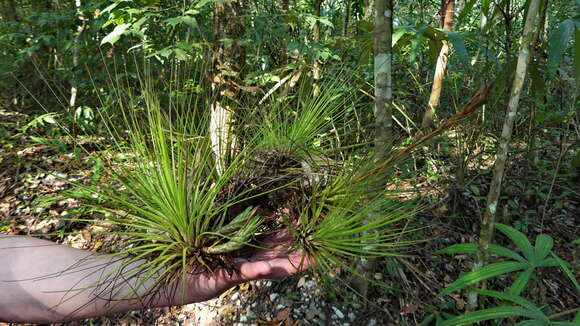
36,171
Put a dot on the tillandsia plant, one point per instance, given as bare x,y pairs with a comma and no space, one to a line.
176,215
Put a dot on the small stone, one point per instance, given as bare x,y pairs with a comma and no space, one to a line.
372,322
338,313
274,296
351,316
235,296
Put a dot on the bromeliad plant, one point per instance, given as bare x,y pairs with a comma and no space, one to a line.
176,214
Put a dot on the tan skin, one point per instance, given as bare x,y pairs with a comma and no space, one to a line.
33,285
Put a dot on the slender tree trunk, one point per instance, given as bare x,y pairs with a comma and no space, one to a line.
383,75
346,19
383,103
447,13
228,60
487,225
9,10
317,69
286,12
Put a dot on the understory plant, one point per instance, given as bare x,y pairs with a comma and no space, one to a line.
514,305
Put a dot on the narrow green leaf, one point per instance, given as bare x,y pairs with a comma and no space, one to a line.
544,244
520,240
484,273
566,269
471,248
486,314
557,43
531,322
536,312
520,283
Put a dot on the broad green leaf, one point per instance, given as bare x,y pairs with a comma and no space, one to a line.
486,314
434,49
520,283
557,43
483,273
115,34
110,7
566,269
544,244
188,20
471,248
399,32
518,238
459,47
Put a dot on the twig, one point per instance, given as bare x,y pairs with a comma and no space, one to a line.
476,101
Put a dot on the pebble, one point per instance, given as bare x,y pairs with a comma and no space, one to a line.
338,313
274,296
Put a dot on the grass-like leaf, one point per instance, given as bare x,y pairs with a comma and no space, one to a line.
544,244
471,248
520,240
486,314
484,273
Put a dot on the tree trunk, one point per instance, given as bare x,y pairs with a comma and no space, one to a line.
228,60
447,13
346,18
317,69
383,76
9,10
487,225
383,104
286,12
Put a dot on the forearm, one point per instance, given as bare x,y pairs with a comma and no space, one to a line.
44,282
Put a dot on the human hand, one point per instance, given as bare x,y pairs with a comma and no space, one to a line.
275,263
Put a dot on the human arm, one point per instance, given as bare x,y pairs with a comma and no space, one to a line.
36,275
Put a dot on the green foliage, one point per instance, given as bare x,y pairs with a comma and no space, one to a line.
539,255
177,214
558,42
534,257
521,308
